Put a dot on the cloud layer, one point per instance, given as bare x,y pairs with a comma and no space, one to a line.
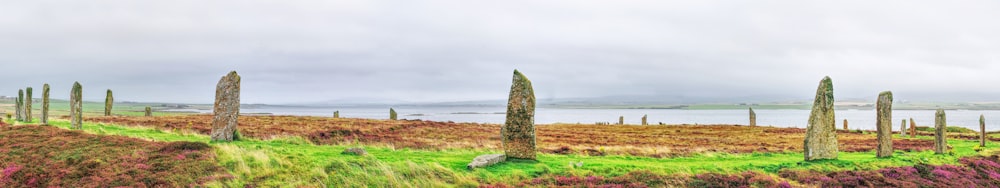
424,51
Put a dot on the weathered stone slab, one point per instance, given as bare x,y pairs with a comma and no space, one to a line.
913,128
76,106
149,111
845,124
621,120
644,120
336,114
227,108
518,132
27,105
753,118
19,105
45,104
982,130
821,137
940,139
392,114
883,113
486,160
109,102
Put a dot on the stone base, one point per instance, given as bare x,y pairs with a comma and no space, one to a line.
486,160
355,151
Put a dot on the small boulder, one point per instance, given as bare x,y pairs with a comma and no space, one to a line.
486,160
355,151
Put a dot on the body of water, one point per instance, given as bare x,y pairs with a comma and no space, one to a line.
858,119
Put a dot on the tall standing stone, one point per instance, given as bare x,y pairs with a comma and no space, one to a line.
883,113
913,128
644,120
845,124
19,105
940,140
149,111
336,114
982,130
27,105
76,106
109,101
753,118
392,114
821,136
227,108
518,132
902,128
621,120
45,104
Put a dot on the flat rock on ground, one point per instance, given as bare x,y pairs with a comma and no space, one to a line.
486,160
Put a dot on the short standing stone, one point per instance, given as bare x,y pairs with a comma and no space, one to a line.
644,120
45,104
27,105
753,118
883,115
902,128
227,108
518,132
845,124
913,128
336,114
149,111
621,120
355,151
76,106
486,160
20,105
982,130
940,140
821,137
109,101
392,114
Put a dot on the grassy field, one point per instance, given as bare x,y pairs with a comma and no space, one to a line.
294,161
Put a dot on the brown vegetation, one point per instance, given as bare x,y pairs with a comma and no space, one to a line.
655,141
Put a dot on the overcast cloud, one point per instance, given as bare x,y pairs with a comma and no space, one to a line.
293,51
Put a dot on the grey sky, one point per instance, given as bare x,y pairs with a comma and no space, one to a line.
293,51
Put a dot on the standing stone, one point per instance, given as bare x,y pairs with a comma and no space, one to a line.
19,105
845,124
27,105
644,120
940,142
108,103
76,106
982,130
227,108
518,132
392,114
149,111
902,128
753,118
45,104
883,115
336,114
821,138
913,128
621,120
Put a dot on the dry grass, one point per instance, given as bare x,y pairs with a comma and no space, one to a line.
654,141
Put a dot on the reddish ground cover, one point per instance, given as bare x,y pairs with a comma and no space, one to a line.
44,156
655,141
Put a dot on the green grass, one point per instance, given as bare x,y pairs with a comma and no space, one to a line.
292,161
